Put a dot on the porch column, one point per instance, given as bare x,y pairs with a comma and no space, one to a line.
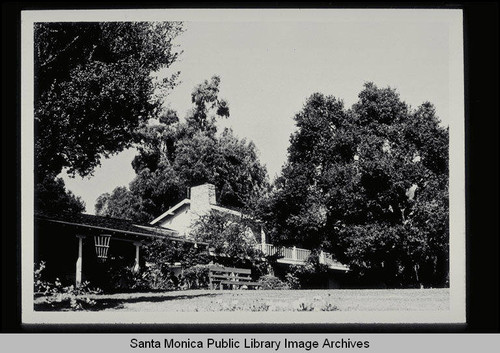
79,261
136,264
263,240
294,253
322,257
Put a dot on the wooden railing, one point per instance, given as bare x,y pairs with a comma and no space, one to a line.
302,254
328,260
269,250
299,255
288,253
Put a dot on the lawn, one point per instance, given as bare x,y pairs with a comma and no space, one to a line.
268,300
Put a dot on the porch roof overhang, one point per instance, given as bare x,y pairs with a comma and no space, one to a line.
131,233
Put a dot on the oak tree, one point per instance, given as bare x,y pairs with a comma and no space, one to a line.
369,184
94,86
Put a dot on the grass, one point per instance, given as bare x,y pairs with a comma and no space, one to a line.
269,300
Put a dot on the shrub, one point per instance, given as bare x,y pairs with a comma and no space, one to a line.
41,287
154,278
310,275
122,279
71,297
272,282
293,280
57,296
313,304
163,252
196,276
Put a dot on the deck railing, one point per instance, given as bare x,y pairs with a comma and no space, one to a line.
302,254
299,255
269,250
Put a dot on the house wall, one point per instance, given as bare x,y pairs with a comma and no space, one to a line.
201,198
180,222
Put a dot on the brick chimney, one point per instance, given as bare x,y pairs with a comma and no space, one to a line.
202,196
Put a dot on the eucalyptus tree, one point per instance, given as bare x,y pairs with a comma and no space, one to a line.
176,154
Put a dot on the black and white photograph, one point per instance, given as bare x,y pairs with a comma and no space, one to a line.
243,166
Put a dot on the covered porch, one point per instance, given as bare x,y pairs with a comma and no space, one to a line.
78,248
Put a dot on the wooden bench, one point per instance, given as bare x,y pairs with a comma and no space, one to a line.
231,277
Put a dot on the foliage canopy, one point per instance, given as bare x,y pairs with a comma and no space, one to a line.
95,84
369,184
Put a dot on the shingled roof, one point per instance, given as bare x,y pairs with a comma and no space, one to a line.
108,224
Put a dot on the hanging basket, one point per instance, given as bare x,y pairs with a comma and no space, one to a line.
101,246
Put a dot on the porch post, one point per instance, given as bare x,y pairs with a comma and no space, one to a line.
322,257
263,240
136,264
294,253
79,261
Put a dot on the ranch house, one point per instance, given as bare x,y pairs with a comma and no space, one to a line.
74,246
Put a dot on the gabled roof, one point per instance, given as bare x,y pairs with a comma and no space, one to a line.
226,210
171,211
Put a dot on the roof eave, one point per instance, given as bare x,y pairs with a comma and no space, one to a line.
170,211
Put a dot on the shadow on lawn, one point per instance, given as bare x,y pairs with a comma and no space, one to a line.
115,303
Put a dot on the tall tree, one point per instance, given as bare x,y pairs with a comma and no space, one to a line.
175,155
94,86
369,184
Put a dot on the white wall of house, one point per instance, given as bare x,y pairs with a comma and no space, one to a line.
183,218
180,221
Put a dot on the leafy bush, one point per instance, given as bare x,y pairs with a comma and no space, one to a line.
229,238
312,274
150,278
260,307
41,287
156,274
329,307
196,276
317,303
272,282
293,280
157,279
162,253
304,306
122,279
71,297
57,296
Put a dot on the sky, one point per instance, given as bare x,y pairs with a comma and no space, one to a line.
269,66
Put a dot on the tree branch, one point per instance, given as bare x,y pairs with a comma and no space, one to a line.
54,57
